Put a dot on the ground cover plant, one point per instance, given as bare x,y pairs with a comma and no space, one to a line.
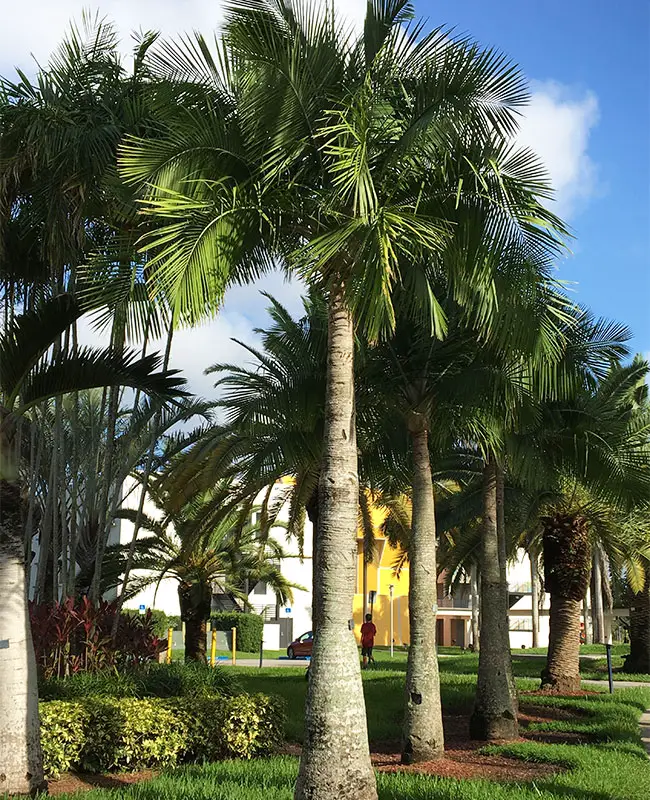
152,680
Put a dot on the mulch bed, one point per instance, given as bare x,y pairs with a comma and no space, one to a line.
82,782
461,760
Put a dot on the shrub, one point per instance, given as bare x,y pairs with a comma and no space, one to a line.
232,727
161,622
75,636
63,734
103,734
250,628
151,680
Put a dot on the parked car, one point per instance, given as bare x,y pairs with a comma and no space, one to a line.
302,646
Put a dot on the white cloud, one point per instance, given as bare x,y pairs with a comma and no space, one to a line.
557,125
37,26
196,349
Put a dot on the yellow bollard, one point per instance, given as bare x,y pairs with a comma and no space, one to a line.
234,646
213,649
170,634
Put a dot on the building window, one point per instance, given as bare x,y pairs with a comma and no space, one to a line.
260,587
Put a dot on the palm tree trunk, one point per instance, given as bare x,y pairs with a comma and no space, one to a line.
45,534
422,738
21,761
566,568
474,594
495,710
638,659
335,759
562,674
107,475
534,593
195,640
195,601
597,597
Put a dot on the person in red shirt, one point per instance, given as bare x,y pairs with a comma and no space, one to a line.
368,633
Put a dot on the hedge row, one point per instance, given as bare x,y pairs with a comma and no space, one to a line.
108,734
250,628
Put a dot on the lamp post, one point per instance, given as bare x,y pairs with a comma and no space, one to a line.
390,589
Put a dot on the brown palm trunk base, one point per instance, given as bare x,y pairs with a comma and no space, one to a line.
195,644
638,660
561,675
567,561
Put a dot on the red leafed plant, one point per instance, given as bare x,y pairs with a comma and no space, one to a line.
75,635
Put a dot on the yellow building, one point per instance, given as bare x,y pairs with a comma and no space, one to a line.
378,576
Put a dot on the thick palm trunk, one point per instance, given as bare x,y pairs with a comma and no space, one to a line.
534,594
21,761
475,600
495,711
562,672
335,761
195,602
566,568
423,738
639,658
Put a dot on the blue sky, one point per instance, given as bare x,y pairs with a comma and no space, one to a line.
589,120
600,47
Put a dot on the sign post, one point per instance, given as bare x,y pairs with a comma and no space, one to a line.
213,648
234,646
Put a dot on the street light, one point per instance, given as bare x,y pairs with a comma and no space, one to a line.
390,589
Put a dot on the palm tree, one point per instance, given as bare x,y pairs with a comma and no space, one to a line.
31,372
598,448
342,191
202,551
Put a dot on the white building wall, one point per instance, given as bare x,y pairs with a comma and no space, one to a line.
165,597
295,570
521,620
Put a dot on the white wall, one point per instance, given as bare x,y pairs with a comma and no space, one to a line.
295,569
165,598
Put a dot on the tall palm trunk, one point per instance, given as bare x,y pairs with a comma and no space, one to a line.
474,594
566,575
534,593
21,760
495,711
597,607
638,659
422,738
335,758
